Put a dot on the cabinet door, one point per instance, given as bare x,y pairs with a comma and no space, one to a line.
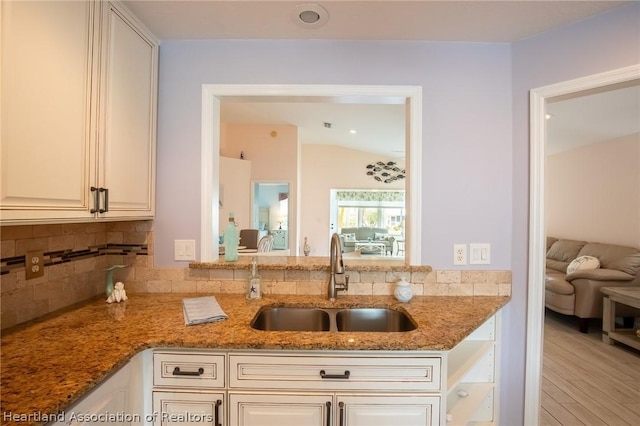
185,408
103,404
378,410
48,50
247,409
127,147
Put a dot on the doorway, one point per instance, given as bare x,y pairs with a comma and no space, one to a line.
537,235
270,212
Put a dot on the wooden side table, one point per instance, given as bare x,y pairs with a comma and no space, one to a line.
629,296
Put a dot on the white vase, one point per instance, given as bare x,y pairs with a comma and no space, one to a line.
403,291
306,249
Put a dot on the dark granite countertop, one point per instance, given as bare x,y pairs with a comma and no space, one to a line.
49,363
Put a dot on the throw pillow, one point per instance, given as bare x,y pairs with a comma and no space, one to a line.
380,236
349,237
583,262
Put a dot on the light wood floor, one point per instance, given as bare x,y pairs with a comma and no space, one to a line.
585,381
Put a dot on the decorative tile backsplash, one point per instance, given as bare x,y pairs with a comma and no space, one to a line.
76,256
69,255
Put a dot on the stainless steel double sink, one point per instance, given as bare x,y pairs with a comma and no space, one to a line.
332,319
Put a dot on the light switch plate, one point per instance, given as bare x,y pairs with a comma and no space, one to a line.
34,264
185,250
480,254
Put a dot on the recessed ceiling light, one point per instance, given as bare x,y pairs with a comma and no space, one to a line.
548,116
310,15
353,131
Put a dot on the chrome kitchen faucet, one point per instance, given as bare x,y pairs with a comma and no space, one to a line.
336,267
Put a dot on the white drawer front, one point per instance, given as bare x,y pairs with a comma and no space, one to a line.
189,370
341,372
186,408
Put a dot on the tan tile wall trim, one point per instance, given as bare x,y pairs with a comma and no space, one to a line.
81,279
436,283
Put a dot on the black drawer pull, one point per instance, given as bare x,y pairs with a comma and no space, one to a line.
216,421
96,200
341,415
328,413
106,200
177,372
324,375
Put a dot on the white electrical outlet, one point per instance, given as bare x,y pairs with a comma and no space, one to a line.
459,254
480,254
185,249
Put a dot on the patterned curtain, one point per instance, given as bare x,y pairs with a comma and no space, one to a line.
364,195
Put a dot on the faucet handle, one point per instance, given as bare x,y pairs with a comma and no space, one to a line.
346,283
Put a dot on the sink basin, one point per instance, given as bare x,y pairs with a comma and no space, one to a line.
292,319
373,319
332,319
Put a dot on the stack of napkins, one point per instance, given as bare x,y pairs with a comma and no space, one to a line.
199,310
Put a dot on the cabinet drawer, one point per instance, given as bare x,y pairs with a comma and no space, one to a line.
334,372
188,370
186,408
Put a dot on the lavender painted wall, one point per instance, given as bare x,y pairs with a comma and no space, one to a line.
466,127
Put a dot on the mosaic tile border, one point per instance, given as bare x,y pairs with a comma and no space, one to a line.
64,256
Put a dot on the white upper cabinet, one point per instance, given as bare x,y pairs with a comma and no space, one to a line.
78,89
126,155
48,52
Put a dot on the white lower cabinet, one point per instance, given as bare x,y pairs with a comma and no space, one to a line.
189,388
103,404
334,389
387,410
296,388
116,401
277,409
471,378
330,388
188,408
326,409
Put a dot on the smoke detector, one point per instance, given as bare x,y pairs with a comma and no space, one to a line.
310,15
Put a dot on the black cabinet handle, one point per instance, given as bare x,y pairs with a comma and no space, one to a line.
177,372
106,200
341,405
217,413
328,413
96,200
324,375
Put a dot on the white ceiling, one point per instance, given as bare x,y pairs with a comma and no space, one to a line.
593,117
380,127
452,20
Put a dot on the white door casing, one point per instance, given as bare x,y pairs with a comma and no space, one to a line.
535,293
210,148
